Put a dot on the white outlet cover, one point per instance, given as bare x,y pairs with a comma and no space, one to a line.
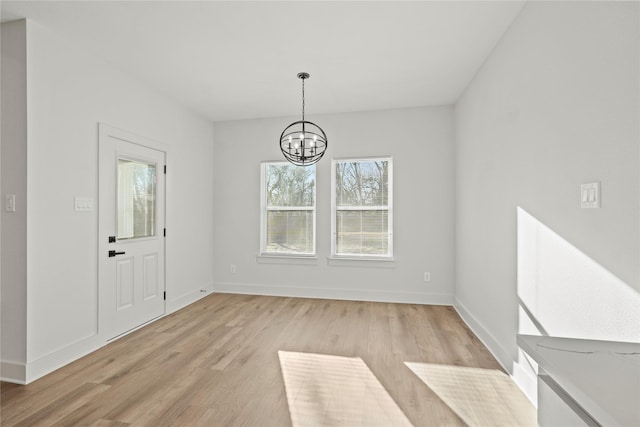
590,195
10,203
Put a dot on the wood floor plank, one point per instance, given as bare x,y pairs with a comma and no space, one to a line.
216,363
64,404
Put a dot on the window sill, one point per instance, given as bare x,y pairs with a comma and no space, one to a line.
348,261
287,259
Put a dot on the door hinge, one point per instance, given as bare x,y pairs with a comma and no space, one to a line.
165,232
165,169
164,295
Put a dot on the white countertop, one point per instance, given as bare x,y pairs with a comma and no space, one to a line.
601,376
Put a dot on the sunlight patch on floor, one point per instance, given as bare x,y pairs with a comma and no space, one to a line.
325,390
481,397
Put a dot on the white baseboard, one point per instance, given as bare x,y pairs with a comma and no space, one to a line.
57,359
175,304
489,341
13,372
21,373
523,379
335,293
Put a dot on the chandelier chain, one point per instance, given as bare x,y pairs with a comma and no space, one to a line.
303,99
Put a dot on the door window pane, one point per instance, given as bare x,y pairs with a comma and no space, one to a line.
136,199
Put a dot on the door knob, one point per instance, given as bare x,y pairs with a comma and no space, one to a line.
113,253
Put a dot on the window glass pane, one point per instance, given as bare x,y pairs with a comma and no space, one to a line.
288,214
362,183
290,231
289,185
136,199
362,232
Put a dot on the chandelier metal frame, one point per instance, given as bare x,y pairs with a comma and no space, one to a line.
303,143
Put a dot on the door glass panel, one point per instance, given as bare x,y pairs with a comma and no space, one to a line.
136,199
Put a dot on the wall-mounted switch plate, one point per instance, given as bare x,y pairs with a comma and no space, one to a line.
590,195
83,204
10,203
427,277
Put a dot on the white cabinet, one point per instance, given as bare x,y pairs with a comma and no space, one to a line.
556,408
585,382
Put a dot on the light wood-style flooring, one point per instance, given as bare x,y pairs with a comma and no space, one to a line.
241,360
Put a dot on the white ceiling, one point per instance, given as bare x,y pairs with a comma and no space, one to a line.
238,60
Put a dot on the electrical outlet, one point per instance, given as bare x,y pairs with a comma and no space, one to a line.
232,268
427,277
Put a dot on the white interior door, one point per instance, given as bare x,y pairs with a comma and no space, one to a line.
131,246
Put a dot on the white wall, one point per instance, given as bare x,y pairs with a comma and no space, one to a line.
14,181
554,106
69,92
421,143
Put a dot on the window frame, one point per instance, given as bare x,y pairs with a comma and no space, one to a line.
389,208
264,209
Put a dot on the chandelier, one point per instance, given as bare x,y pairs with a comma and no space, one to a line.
303,143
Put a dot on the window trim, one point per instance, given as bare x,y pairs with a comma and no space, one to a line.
334,210
264,254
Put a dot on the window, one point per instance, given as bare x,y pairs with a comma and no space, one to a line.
361,191
288,194
136,199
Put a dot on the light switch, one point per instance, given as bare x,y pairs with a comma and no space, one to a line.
590,195
83,204
10,203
